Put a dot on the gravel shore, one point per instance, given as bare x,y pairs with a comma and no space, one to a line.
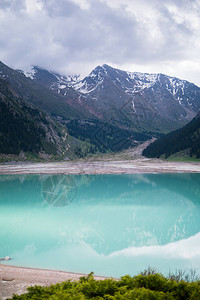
15,280
136,166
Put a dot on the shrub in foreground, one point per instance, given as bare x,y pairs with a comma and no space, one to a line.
140,287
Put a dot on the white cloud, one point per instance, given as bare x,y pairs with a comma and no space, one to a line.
83,4
76,35
33,6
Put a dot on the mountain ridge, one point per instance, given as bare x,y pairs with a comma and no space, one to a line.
133,98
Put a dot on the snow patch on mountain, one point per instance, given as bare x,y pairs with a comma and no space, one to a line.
62,86
176,85
143,79
133,104
66,79
84,87
64,82
30,74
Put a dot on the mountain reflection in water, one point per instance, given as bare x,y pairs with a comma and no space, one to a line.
136,219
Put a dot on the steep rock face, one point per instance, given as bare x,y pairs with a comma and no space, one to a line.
138,101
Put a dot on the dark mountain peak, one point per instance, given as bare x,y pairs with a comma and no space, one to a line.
107,66
95,77
96,71
106,70
102,68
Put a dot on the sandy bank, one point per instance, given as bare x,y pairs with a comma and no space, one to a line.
17,279
141,165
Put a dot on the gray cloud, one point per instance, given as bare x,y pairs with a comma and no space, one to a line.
76,35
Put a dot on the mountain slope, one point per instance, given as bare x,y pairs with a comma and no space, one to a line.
40,96
24,128
186,139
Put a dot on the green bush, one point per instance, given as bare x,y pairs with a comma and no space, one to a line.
140,287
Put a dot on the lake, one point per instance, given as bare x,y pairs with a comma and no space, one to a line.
109,224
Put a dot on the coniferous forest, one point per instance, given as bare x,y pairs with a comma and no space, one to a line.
18,133
184,139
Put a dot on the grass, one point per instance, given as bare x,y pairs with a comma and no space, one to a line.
183,159
181,156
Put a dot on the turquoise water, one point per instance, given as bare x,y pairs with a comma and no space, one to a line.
109,224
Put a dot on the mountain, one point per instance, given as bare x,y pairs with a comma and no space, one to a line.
43,109
184,141
138,101
82,123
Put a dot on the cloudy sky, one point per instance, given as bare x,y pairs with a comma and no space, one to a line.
74,36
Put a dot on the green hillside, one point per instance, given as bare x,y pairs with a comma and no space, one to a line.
25,128
186,140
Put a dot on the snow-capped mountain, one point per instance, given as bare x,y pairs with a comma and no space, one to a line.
159,100
129,82
183,91
135,100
